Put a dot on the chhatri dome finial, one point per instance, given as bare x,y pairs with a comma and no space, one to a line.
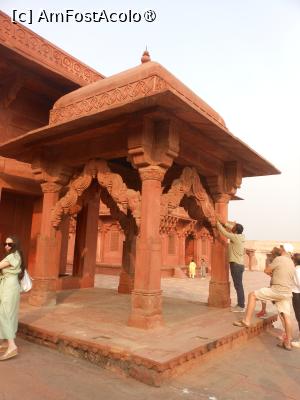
146,56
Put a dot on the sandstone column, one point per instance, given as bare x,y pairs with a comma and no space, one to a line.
223,188
146,309
198,249
126,281
181,250
251,254
86,239
151,149
47,263
52,177
62,251
219,287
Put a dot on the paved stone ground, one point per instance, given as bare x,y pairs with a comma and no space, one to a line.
191,289
254,370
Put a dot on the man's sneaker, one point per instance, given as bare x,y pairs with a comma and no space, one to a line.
296,343
237,309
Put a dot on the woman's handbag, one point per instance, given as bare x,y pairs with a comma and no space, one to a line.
26,282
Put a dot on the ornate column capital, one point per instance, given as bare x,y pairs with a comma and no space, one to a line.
50,187
51,172
152,172
156,142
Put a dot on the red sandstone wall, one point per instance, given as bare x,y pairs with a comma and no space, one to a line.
28,111
15,218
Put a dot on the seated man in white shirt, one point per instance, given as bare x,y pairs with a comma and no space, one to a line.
282,271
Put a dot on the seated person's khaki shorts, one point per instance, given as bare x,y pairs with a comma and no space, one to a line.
282,300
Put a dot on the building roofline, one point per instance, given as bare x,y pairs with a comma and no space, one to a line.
30,45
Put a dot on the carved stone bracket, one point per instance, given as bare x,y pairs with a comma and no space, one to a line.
123,197
69,204
10,88
228,183
233,174
156,145
188,184
190,228
50,173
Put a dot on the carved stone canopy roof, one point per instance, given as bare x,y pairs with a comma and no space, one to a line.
144,80
142,88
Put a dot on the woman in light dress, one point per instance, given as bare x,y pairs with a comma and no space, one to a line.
11,271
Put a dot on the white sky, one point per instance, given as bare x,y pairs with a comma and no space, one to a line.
241,57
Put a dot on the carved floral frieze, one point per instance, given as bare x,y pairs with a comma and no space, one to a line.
104,100
26,41
168,223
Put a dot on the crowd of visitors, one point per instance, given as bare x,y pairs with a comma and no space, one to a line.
284,270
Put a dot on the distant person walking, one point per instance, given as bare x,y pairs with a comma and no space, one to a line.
11,270
296,296
236,259
203,268
282,271
192,269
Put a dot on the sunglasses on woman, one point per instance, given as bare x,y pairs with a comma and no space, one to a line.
8,244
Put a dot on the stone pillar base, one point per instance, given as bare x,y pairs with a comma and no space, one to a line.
219,294
146,310
125,283
43,292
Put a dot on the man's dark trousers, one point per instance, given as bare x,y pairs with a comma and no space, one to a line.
236,271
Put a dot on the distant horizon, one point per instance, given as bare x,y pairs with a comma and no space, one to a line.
274,241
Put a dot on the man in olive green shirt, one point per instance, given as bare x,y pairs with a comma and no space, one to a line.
236,260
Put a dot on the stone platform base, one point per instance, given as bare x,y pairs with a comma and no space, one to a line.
91,324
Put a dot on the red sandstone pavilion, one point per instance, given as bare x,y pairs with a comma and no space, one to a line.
98,172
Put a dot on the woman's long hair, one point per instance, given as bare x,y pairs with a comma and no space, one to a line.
17,247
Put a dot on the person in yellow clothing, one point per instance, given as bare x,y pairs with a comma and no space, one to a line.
192,269
11,269
234,232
